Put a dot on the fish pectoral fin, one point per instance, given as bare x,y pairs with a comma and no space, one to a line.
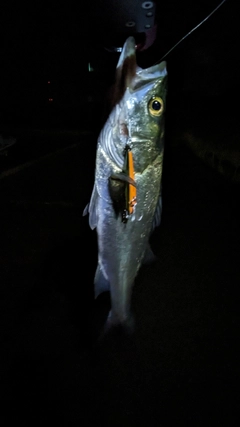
149,256
100,283
121,176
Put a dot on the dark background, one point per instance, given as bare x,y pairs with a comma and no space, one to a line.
181,365
56,42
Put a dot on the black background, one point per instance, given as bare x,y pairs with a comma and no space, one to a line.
181,365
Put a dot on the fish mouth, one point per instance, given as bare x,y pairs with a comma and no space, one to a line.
128,51
125,71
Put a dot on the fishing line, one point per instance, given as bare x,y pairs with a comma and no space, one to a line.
190,32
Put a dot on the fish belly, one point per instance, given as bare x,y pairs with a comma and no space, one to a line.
121,246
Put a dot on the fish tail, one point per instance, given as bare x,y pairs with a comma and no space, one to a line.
115,325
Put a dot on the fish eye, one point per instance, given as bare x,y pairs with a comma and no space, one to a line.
155,106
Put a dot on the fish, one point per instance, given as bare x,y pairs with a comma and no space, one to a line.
126,201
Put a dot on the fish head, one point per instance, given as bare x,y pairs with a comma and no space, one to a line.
140,102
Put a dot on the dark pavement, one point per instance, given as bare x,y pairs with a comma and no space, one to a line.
181,366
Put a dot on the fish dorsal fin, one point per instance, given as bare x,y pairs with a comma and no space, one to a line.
158,214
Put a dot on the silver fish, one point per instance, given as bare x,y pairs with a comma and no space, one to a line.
136,125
